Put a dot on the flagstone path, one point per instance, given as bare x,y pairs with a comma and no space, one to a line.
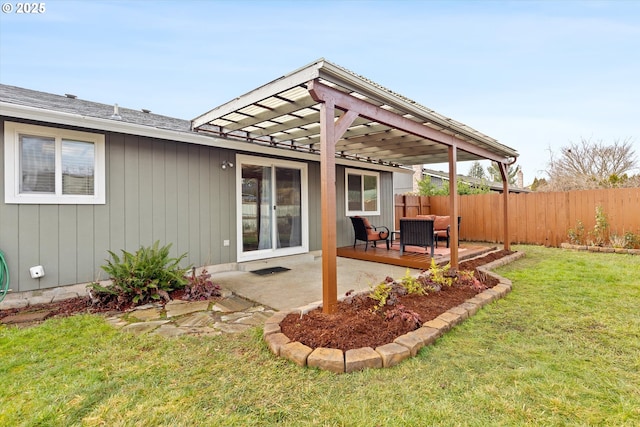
230,314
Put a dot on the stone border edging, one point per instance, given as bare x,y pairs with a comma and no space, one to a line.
403,347
605,249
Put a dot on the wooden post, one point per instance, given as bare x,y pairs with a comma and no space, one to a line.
330,132
505,204
328,208
453,206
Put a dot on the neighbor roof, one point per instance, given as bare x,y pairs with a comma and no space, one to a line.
283,113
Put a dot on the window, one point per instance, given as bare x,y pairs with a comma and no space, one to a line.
53,166
362,192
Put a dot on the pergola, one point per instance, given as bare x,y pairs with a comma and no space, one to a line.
326,109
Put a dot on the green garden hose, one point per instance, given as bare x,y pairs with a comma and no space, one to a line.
4,277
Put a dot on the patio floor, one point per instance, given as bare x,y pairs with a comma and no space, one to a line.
412,257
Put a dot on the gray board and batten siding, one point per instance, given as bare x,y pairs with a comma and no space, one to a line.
169,191
156,190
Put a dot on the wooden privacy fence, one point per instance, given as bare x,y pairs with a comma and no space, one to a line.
536,218
410,206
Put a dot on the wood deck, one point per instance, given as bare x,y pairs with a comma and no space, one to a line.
408,259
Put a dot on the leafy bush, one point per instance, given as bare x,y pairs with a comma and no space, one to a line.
468,278
631,240
412,285
406,315
577,235
387,292
600,233
440,275
381,293
617,241
149,274
200,287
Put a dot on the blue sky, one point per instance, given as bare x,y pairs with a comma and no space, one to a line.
536,75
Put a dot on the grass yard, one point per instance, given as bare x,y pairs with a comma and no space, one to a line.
562,349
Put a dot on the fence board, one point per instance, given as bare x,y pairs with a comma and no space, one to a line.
535,218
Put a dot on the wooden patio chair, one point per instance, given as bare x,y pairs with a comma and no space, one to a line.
368,233
417,232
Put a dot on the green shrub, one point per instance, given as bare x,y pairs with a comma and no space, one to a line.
412,285
149,274
577,235
468,278
631,240
439,275
381,294
600,233
617,241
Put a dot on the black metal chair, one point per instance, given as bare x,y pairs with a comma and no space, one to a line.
368,233
417,232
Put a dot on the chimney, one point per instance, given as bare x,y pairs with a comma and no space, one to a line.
417,176
520,179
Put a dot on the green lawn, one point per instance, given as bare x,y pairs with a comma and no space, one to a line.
562,349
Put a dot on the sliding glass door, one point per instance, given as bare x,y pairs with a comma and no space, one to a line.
273,206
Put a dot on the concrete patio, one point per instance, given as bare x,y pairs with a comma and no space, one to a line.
302,284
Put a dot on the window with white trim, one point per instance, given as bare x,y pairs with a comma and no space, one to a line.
46,165
362,192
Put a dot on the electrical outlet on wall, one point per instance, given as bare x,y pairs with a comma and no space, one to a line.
36,272
225,243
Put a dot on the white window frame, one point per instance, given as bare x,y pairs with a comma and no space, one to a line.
12,194
362,173
304,198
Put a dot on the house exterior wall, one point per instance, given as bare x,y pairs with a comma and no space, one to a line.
403,183
156,190
344,228
168,191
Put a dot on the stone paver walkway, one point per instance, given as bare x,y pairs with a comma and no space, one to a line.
231,314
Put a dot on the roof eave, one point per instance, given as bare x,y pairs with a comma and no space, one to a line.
16,111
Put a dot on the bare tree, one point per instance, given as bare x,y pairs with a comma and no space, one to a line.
592,164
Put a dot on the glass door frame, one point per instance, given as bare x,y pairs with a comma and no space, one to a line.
272,252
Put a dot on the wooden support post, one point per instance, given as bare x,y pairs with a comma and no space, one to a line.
453,206
330,132
328,208
505,204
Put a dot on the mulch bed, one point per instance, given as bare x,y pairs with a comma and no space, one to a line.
356,324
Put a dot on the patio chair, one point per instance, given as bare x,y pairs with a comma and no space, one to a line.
417,232
368,233
442,228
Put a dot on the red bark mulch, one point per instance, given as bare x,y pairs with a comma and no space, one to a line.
356,324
